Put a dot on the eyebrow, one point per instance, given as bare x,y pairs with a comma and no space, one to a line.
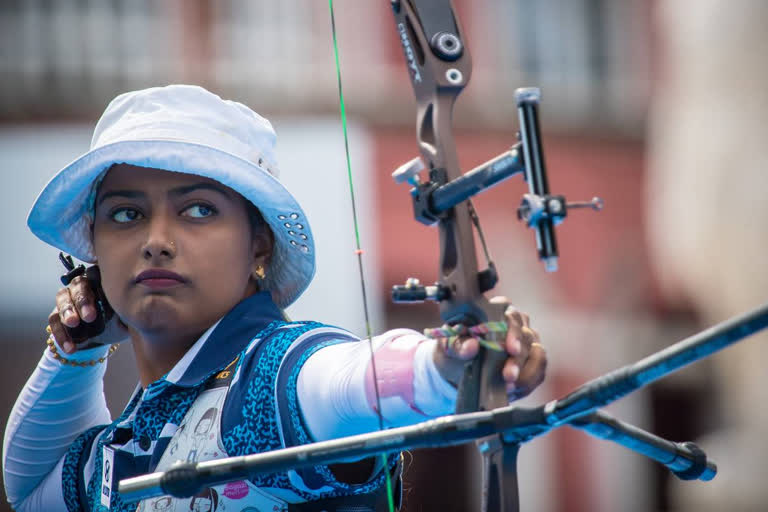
178,191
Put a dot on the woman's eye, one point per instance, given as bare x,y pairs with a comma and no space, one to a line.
124,215
199,211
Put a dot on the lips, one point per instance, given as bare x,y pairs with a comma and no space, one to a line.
159,278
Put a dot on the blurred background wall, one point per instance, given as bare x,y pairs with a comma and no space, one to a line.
657,107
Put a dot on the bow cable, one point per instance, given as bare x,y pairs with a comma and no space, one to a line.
359,250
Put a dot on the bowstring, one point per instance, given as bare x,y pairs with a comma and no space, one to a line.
359,250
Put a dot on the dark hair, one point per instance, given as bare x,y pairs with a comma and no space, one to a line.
255,217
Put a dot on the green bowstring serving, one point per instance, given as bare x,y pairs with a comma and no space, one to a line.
359,251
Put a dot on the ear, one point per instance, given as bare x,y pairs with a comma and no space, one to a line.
261,250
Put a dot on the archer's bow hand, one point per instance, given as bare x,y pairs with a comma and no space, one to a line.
526,364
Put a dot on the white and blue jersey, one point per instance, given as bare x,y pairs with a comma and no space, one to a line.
252,383
236,395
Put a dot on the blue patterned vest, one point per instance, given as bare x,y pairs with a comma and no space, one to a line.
237,396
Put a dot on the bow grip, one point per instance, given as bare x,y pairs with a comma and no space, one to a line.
482,386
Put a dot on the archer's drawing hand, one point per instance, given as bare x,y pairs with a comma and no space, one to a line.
526,364
76,303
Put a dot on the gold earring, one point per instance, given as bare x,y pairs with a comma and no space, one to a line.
260,272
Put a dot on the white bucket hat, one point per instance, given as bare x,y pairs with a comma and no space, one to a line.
187,129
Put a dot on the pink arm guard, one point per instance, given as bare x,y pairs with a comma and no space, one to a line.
393,363
336,390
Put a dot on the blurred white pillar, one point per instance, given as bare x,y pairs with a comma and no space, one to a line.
709,214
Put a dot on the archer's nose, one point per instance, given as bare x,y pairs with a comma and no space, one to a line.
159,242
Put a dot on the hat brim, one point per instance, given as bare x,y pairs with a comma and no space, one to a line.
60,215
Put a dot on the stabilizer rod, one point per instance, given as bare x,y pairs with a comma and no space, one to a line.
618,383
517,425
685,460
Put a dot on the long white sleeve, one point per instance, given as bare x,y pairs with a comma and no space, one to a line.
335,385
58,403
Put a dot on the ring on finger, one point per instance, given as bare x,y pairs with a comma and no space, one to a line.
536,344
527,331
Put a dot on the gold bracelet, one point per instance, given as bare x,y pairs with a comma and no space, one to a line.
55,352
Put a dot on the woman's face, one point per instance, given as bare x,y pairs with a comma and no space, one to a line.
176,251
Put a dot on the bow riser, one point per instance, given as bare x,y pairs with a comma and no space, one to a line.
440,66
438,75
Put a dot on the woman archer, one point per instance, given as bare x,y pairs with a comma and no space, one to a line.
200,248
